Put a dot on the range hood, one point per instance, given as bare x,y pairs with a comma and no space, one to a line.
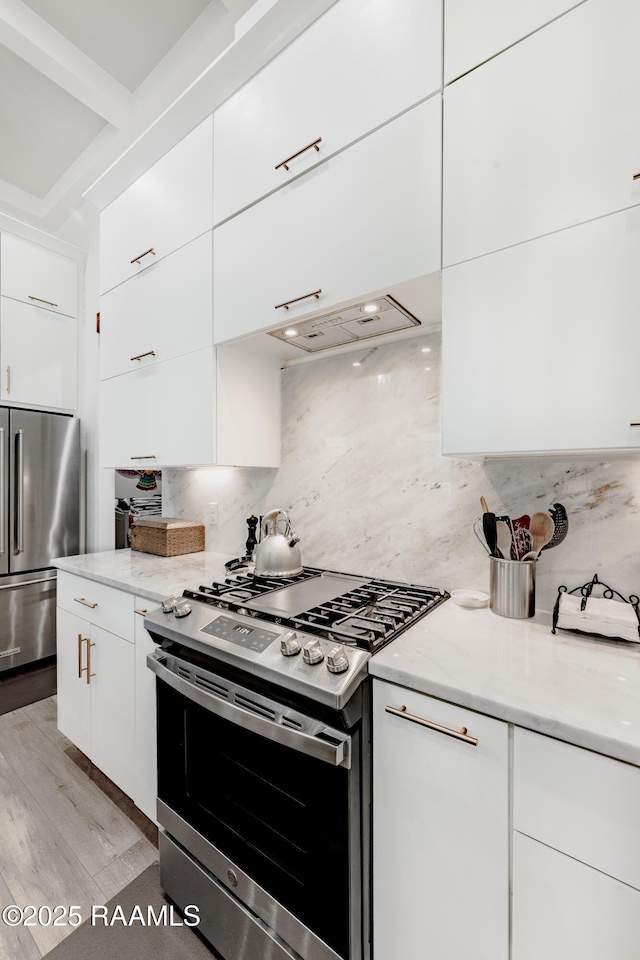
361,321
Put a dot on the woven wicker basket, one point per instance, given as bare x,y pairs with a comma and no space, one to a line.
167,536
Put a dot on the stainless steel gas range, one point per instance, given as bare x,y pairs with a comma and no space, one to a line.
264,756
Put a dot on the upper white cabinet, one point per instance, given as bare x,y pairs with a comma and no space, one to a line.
546,135
359,65
364,220
540,344
164,209
440,830
38,276
474,32
38,352
162,313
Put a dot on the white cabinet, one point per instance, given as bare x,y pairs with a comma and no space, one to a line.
164,312
440,831
146,759
474,32
106,693
563,909
160,415
546,135
362,221
358,66
165,208
540,344
38,352
38,276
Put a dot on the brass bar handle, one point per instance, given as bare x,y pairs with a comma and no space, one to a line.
635,423
85,603
636,176
79,656
456,734
287,303
40,300
142,613
293,156
8,379
149,353
141,255
88,666
149,456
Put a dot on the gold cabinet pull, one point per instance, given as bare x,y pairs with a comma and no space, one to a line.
145,254
293,156
142,613
8,379
88,666
457,734
149,353
79,656
149,456
85,603
287,303
635,423
40,300
636,176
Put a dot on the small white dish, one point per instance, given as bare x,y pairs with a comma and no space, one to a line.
470,598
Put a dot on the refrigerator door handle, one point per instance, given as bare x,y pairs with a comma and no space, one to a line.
19,503
3,532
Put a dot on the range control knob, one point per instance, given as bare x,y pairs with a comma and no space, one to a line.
168,604
289,644
337,660
182,608
312,652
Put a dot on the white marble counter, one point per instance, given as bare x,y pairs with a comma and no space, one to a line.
144,574
574,688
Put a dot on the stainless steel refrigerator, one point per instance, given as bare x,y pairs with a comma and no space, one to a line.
39,520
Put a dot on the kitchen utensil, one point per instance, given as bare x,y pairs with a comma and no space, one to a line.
541,531
490,532
477,524
512,587
470,598
505,539
277,554
522,542
520,523
483,504
560,526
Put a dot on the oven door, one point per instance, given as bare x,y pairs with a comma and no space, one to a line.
268,800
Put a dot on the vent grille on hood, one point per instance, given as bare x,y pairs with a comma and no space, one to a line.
372,318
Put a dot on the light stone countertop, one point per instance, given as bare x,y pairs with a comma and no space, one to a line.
144,574
579,689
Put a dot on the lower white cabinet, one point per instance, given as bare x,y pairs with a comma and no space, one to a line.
38,353
440,831
564,910
540,342
106,693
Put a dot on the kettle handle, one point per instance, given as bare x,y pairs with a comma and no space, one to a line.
272,517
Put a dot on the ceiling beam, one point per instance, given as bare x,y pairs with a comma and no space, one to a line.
39,44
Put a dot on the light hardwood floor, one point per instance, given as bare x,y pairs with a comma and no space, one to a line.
62,839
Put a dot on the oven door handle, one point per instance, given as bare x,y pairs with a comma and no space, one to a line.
329,745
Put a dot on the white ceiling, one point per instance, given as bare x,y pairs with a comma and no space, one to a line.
81,80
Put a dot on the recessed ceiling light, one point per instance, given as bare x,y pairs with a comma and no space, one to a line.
370,308
357,363
426,350
291,332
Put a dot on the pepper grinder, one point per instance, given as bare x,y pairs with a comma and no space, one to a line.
252,542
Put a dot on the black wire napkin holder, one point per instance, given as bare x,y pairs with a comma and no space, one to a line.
586,590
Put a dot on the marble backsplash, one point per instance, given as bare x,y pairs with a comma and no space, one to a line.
368,491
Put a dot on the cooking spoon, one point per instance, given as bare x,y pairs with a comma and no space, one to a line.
541,529
505,539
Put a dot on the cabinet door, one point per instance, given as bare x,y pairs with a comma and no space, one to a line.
160,415
546,135
164,312
359,65
38,351
38,276
74,693
474,32
165,208
540,344
146,763
112,708
440,832
366,219
563,909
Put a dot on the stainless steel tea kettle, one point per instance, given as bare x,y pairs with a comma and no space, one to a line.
277,554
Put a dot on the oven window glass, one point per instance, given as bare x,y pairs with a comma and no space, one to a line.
279,815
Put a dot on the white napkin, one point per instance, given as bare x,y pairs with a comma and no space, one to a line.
612,618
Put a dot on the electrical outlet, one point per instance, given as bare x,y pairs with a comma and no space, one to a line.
213,514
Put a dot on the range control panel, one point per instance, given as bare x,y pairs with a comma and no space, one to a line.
251,638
